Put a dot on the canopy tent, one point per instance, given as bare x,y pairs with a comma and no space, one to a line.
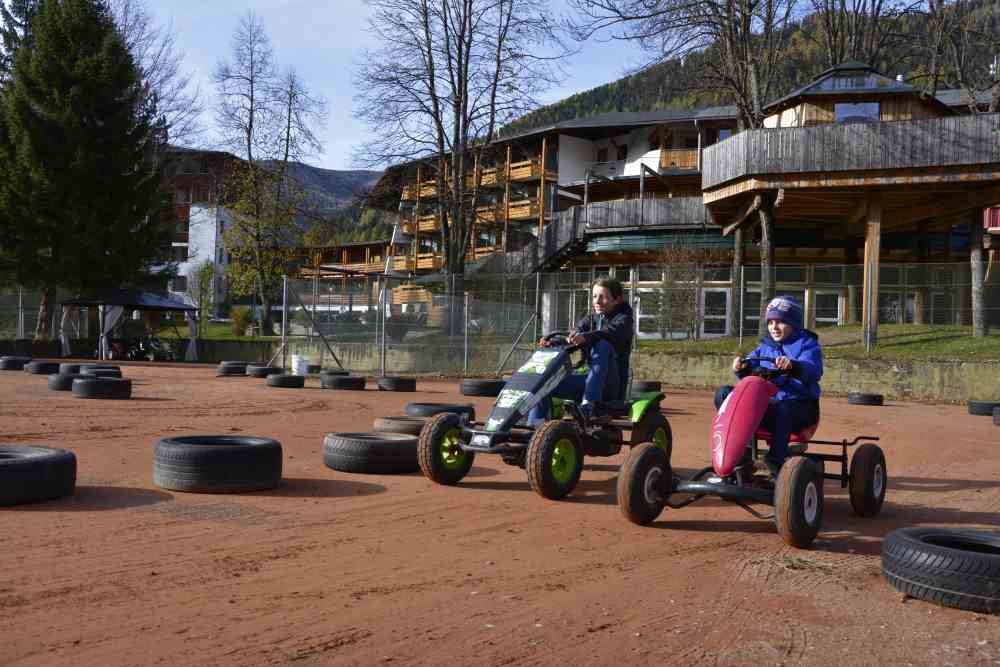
111,304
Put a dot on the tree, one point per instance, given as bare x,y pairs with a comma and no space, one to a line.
80,199
865,31
15,30
201,289
445,76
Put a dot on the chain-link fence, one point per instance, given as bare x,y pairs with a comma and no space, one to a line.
19,311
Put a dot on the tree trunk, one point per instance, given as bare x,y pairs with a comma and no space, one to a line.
734,305
976,270
766,263
43,327
267,319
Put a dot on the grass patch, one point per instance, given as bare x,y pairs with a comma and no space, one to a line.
896,342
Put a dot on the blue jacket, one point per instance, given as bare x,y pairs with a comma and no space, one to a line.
802,347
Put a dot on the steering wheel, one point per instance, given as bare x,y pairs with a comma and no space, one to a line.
768,373
557,338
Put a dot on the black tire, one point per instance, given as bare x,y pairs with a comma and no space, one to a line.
217,463
263,371
110,388
643,484
101,372
231,371
32,474
69,369
85,367
431,409
387,383
342,382
869,480
654,427
15,357
555,459
441,459
286,381
950,567
373,453
225,364
334,371
64,381
408,425
982,408
643,386
481,387
14,363
42,367
861,398
798,502
996,416
313,369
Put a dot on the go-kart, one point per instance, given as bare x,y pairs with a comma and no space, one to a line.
552,453
646,483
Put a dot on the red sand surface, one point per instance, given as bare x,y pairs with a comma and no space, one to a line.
333,568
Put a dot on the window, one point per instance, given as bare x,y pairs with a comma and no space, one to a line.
203,166
179,253
826,308
715,312
602,154
182,196
622,152
856,112
724,134
890,307
200,193
187,167
179,284
623,274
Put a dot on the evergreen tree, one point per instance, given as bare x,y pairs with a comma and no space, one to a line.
15,30
80,199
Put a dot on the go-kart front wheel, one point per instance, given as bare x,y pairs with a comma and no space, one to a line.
555,459
439,450
644,481
868,480
654,428
798,501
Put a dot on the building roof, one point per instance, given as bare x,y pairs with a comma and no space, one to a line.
610,123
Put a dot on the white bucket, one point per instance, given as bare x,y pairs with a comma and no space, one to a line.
300,365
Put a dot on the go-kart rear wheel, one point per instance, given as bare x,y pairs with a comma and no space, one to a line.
439,451
798,501
868,480
555,459
644,483
654,428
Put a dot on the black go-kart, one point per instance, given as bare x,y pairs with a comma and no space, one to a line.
553,453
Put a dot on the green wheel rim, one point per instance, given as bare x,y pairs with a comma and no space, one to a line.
450,453
563,461
660,438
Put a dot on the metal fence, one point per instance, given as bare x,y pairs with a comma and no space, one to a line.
19,309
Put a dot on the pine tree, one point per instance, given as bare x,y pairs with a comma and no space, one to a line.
15,30
80,200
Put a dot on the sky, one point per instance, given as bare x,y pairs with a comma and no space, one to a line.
323,40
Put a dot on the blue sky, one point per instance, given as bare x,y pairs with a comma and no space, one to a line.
323,40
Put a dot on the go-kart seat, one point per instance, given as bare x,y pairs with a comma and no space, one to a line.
612,408
801,437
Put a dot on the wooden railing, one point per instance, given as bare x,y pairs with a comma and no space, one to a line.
679,158
523,209
374,266
672,213
424,223
903,144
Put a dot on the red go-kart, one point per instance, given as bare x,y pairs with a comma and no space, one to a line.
646,482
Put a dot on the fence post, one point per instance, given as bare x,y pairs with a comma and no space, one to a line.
465,346
20,313
743,288
538,296
284,321
382,349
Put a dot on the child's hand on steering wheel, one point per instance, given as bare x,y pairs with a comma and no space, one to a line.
783,364
575,338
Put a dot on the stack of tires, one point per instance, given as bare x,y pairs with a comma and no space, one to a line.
12,362
986,409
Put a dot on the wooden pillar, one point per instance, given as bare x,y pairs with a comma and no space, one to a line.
766,215
506,200
541,188
869,304
416,219
737,284
976,273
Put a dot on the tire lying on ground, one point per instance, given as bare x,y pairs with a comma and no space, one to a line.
101,372
217,463
334,371
431,409
286,381
12,363
261,371
30,474
42,367
387,383
230,368
69,369
861,398
481,387
408,425
996,416
341,382
950,567
64,381
982,408
312,369
113,388
376,453
643,386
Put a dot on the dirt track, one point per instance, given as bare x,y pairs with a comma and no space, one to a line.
332,568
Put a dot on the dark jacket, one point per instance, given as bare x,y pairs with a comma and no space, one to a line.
802,347
617,327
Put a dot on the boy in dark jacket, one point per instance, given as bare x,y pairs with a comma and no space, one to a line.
787,346
606,336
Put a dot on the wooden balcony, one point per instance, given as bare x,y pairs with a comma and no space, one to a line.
489,214
424,261
622,214
823,150
524,209
411,294
679,158
422,224
529,170
427,189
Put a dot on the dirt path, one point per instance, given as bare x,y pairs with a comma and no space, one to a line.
332,568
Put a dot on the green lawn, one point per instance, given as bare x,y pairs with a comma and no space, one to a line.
904,342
